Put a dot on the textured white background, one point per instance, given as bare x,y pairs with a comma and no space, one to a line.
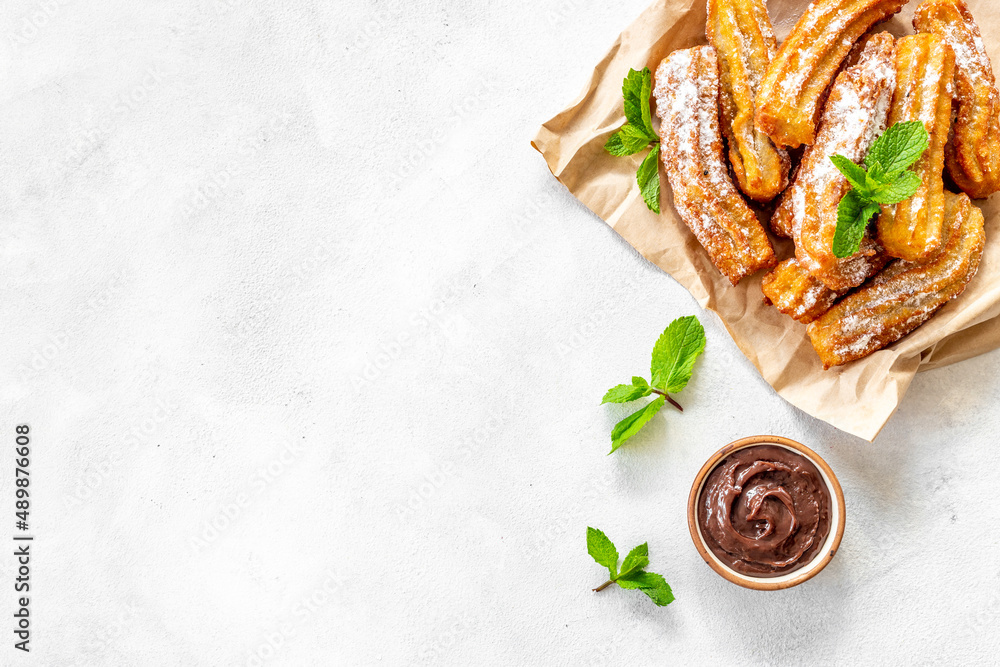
312,347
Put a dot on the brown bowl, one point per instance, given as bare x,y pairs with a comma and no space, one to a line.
822,557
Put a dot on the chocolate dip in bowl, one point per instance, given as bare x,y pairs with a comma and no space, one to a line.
766,512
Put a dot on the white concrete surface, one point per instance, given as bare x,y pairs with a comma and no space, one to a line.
312,348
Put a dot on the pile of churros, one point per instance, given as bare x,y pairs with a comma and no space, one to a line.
833,87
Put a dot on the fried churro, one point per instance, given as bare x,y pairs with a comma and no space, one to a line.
686,91
905,294
854,115
796,293
973,153
790,97
925,70
741,33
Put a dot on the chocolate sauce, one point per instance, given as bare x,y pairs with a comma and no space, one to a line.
764,511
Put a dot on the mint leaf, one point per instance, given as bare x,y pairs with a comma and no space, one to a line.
638,133
636,88
885,182
637,559
629,140
602,550
648,177
855,175
904,187
674,355
629,426
624,393
853,215
899,147
647,117
876,175
650,583
632,575
675,352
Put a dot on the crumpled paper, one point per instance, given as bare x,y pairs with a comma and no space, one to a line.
858,398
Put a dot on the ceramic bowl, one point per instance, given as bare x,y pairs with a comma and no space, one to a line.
820,559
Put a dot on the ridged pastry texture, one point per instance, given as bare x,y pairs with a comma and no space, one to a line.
973,153
686,90
854,115
740,31
790,97
925,71
796,293
905,294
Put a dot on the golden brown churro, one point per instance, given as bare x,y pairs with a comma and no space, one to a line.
686,90
854,115
925,70
973,154
796,293
788,104
741,33
905,294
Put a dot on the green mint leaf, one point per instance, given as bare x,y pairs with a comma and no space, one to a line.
855,175
899,147
650,583
647,114
675,353
639,382
624,393
636,89
637,559
629,140
904,187
876,173
602,550
853,215
629,426
648,177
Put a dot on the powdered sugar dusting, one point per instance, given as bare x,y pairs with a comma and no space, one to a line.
687,102
905,294
855,114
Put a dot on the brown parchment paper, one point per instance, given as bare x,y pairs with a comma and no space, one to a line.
858,398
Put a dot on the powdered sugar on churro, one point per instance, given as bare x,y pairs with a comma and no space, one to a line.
855,114
686,91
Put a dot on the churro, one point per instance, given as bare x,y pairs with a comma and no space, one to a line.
790,97
741,33
854,115
686,90
973,153
925,70
905,294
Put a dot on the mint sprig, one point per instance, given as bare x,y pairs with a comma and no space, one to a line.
885,181
674,355
638,133
632,575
